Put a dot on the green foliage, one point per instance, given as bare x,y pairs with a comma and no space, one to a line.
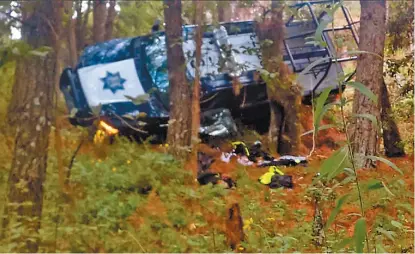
399,75
400,25
336,210
321,108
336,163
360,234
364,90
366,195
109,197
7,70
137,17
110,210
388,162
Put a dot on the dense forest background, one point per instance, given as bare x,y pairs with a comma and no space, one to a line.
61,192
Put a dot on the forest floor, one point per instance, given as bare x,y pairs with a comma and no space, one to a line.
103,214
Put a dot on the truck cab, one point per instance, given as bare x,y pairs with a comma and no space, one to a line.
124,82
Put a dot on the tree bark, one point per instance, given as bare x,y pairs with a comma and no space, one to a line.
198,17
234,227
109,25
100,16
72,47
179,130
369,72
391,136
31,113
222,17
283,94
79,32
81,24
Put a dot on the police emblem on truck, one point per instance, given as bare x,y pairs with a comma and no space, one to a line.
113,82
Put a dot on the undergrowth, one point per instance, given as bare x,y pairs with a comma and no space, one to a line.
132,198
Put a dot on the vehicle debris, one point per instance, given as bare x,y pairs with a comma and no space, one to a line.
205,175
275,178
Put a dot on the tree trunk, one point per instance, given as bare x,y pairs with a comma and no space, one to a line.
222,17
109,25
234,227
73,52
78,28
283,94
81,24
100,16
391,136
179,130
365,135
31,113
198,17
275,122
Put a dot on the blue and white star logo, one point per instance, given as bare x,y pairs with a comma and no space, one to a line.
113,82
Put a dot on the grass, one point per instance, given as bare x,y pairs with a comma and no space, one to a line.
106,211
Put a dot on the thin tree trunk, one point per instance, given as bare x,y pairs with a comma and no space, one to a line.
109,25
234,227
31,113
179,130
283,94
100,16
81,24
391,136
79,32
370,73
319,236
73,52
275,122
82,40
222,17
198,17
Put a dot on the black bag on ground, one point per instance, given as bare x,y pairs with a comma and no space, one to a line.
278,181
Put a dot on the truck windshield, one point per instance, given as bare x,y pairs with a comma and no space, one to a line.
212,62
157,62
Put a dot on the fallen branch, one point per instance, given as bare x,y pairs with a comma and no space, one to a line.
68,173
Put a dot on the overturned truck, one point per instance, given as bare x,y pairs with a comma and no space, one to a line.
123,83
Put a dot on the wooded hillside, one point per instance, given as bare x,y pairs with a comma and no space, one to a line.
206,126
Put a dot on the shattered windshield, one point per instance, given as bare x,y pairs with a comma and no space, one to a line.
157,59
243,47
157,62
106,52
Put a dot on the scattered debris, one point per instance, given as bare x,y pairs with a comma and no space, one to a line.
217,123
275,178
267,177
265,159
243,160
239,148
287,160
253,156
257,152
281,181
206,176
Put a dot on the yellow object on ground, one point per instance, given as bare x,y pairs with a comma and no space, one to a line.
99,136
266,178
108,128
104,130
236,143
